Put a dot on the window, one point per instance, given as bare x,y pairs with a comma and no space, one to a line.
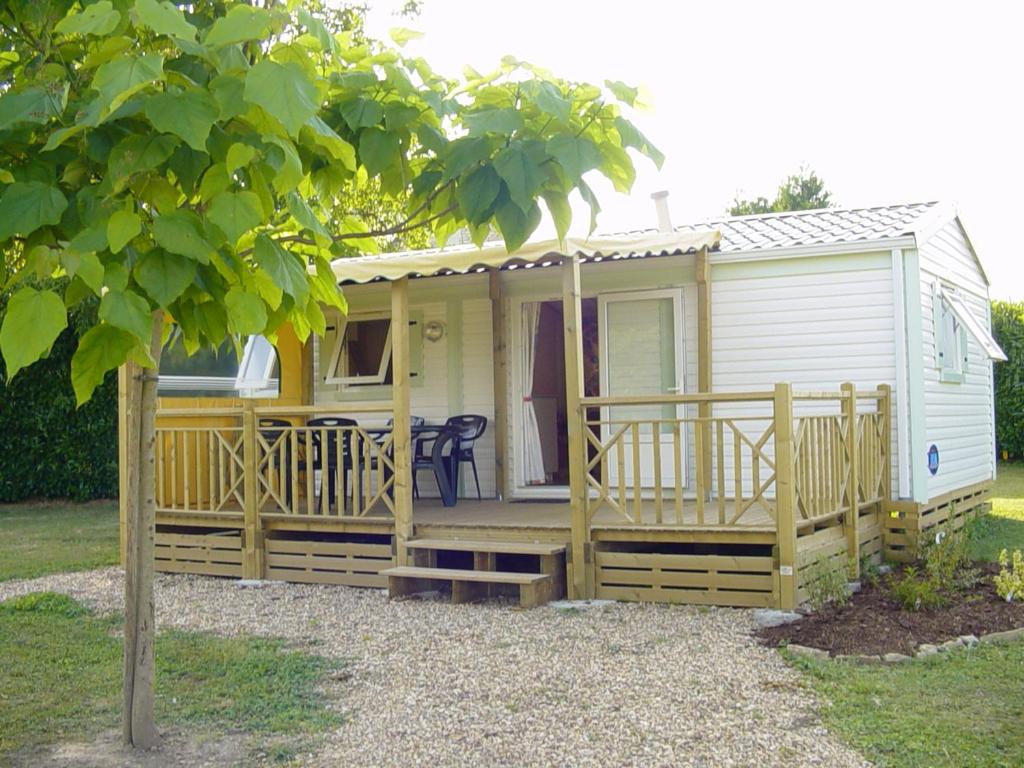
954,322
360,351
219,373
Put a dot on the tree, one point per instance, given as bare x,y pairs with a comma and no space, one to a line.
799,192
189,166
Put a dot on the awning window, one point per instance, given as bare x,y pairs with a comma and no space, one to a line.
975,327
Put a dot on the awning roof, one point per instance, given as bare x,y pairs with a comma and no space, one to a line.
463,259
973,325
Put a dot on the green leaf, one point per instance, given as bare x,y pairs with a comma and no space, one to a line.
86,267
247,314
33,105
241,23
477,192
464,153
100,18
287,271
361,113
493,121
286,161
164,276
27,206
115,276
90,240
120,79
129,312
617,167
284,91
138,154
239,156
324,136
229,91
235,213
178,232
590,199
576,155
303,214
103,348
318,30
164,18
631,137
401,35
122,228
378,150
32,322
623,92
398,115
551,102
561,211
516,226
190,115
521,172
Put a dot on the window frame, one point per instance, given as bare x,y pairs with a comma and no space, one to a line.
951,356
337,353
240,385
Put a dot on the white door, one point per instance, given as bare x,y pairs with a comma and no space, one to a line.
642,354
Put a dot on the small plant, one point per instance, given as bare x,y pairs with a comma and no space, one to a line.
1010,579
825,582
947,558
916,591
870,572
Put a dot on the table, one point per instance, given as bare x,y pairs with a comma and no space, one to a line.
446,468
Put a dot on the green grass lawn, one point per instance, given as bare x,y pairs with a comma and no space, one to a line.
964,709
48,538
61,680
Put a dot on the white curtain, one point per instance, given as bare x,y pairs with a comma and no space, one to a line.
533,457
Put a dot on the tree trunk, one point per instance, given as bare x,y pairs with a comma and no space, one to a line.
139,631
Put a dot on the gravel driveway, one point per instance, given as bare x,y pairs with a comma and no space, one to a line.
433,684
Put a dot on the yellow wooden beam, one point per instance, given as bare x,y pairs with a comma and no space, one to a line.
785,497
582,584
852,521
400,373
704,380
122,464
500,362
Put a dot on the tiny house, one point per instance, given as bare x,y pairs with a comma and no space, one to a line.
690,415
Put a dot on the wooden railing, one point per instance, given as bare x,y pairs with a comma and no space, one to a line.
651,466
216,460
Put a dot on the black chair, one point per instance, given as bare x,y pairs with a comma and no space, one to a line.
271,431
470,429
332,452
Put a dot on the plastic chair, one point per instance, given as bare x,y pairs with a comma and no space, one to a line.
271,431
470,427
334,451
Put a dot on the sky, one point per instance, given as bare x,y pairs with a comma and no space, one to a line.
888,102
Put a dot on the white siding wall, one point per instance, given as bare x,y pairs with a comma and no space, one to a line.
958,416
814,324
478,388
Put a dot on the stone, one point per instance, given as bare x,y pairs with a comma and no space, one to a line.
951,645
803,650
252,583
1003,637
767,617
927,649
579,605
862,659
853,587
969,640
884,569
895,658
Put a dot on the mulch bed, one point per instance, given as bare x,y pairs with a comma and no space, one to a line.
873,623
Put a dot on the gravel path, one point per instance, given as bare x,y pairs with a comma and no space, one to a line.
432,684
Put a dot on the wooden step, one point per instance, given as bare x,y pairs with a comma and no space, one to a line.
534,588
497,547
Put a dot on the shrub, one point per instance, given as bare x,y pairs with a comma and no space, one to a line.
915,591
826,584
1008,329
1010,579
51,448
44,602
947,557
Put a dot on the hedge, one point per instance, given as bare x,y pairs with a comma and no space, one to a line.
1008,329
48,447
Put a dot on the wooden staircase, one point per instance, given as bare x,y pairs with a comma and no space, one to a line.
483,580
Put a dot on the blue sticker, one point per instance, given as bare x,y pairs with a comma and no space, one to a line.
933,459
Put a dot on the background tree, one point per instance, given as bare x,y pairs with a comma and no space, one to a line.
1008,330
189,166
799,192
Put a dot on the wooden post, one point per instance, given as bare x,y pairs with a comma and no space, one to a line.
784,496
885,408
500,361
704,380
400,418
123,459
582,586
852,521
252,554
